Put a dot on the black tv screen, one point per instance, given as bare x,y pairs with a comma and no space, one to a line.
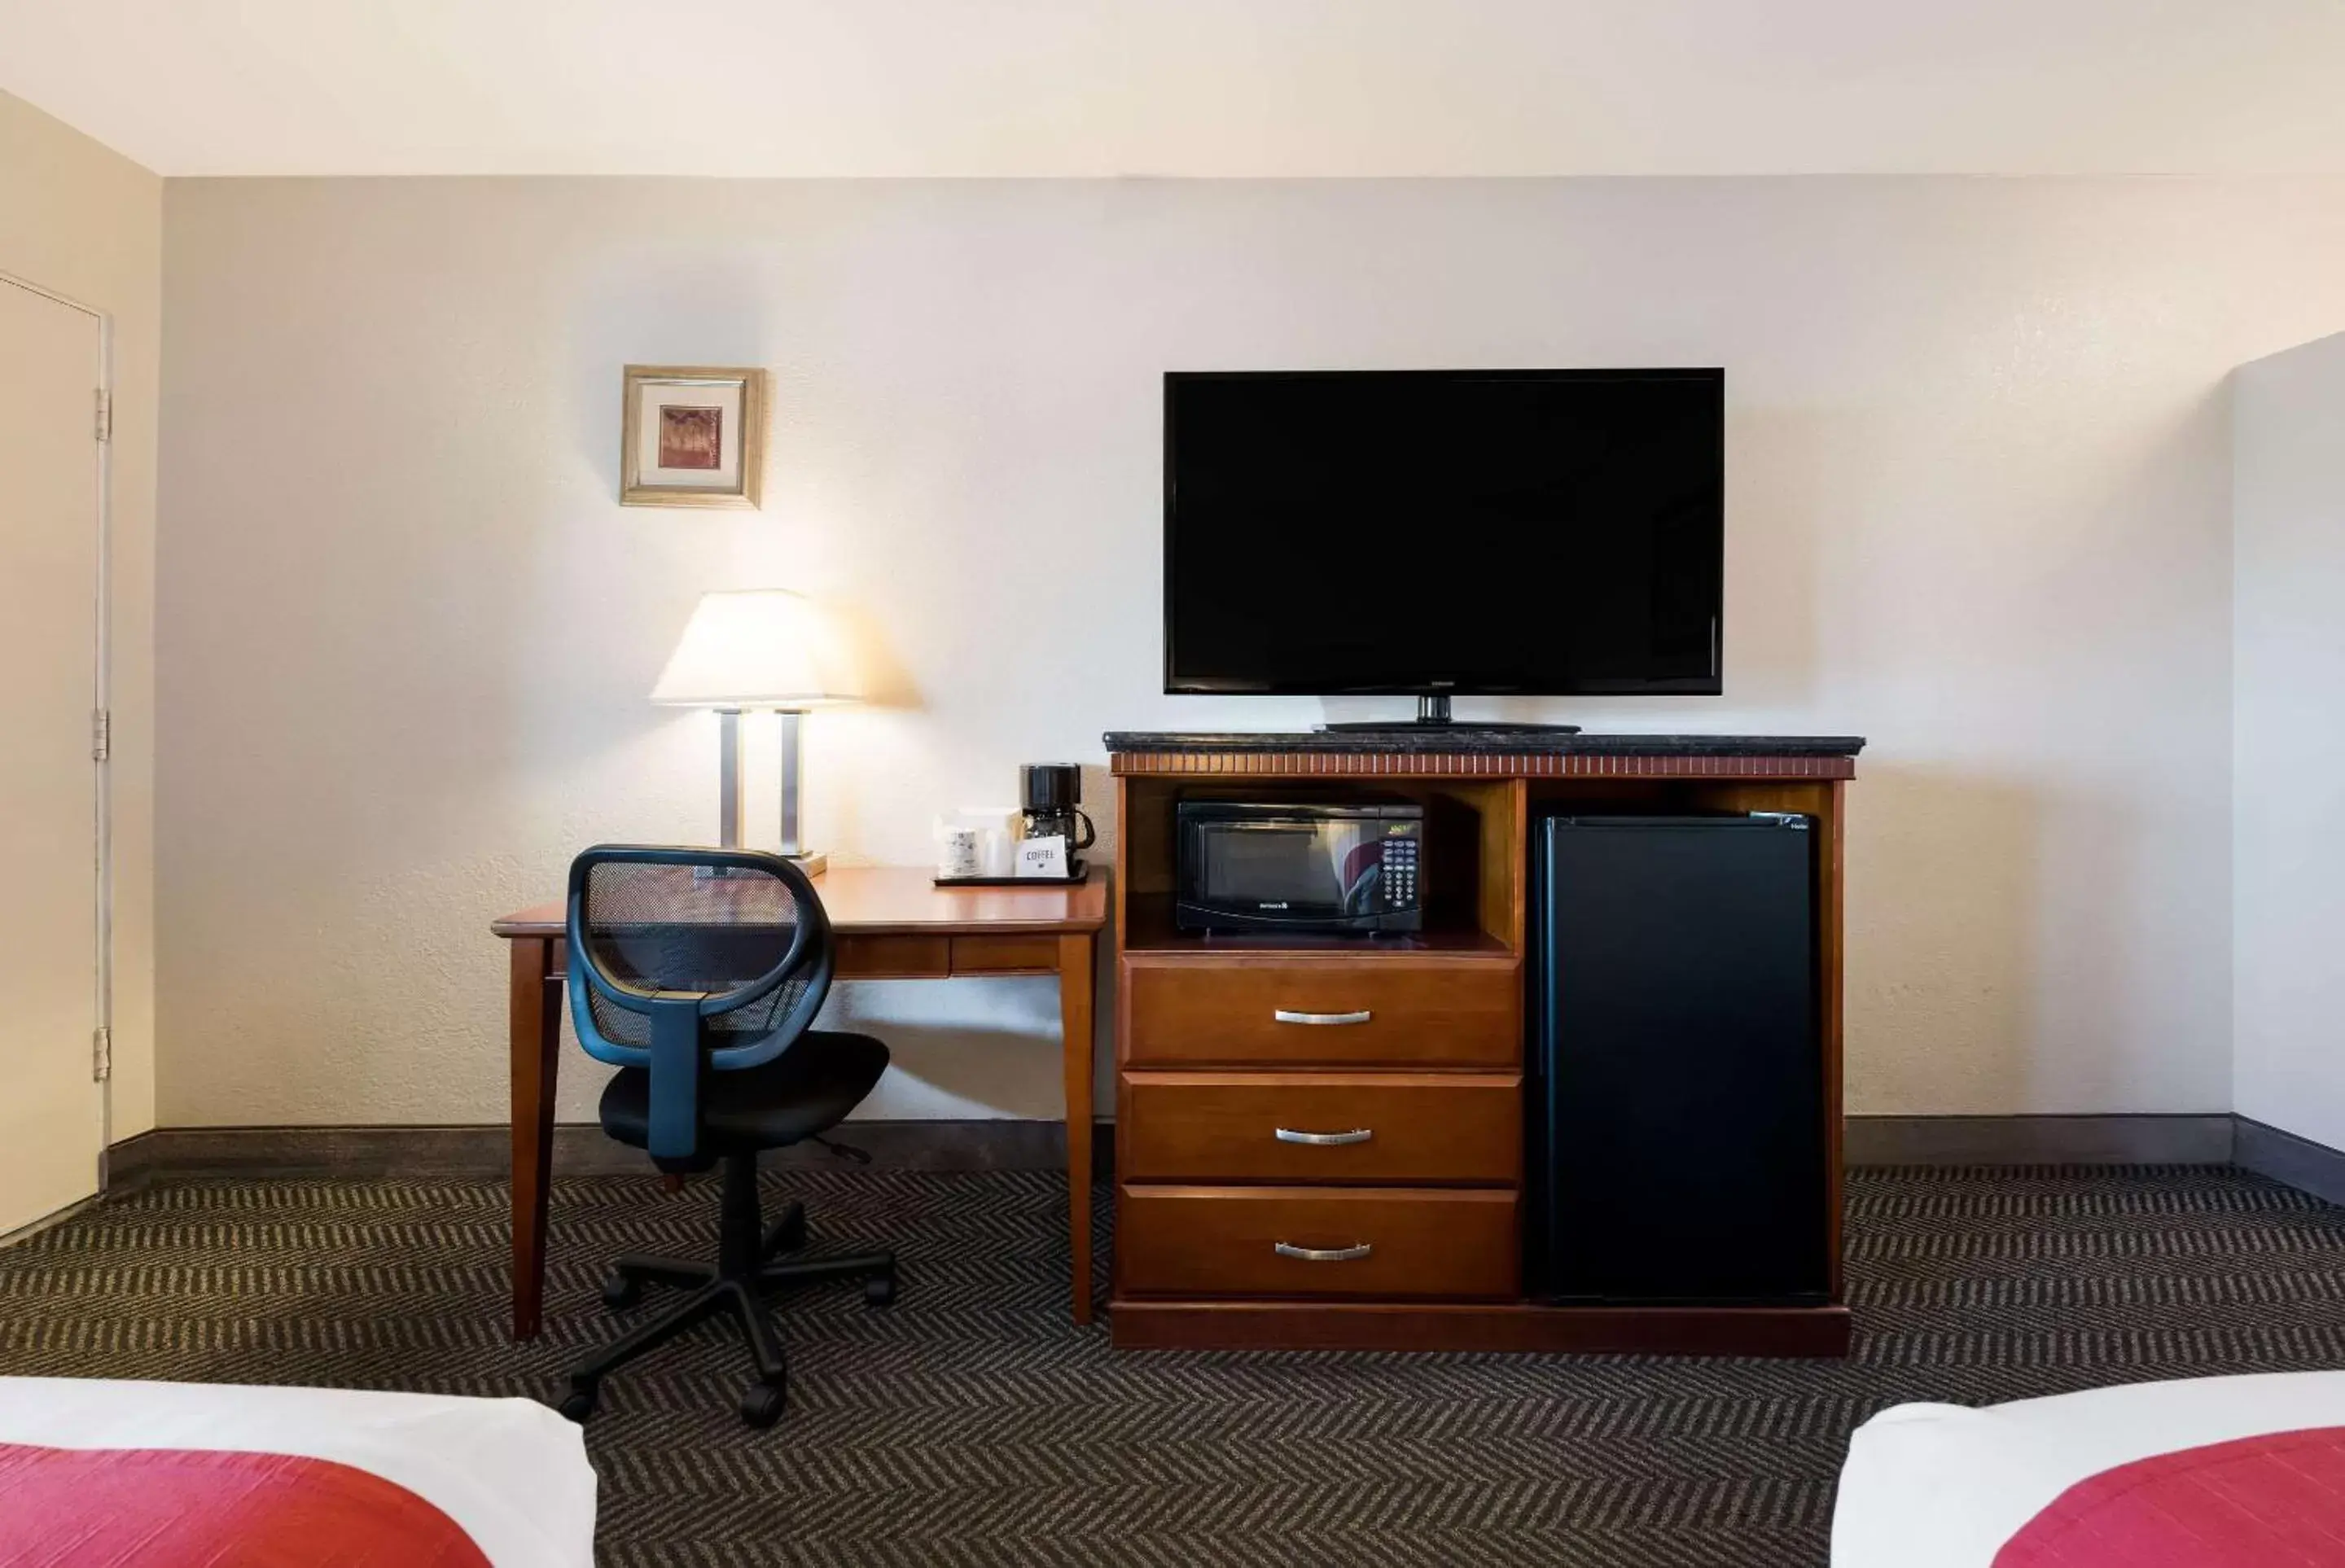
1554,532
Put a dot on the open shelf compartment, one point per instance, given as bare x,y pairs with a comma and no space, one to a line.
1473,864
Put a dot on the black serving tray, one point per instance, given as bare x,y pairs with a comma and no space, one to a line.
1075,881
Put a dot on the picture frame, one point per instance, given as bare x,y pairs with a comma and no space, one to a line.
692,435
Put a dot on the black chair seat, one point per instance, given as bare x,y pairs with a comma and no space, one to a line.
808,1089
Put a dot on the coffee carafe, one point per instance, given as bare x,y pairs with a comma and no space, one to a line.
1050,794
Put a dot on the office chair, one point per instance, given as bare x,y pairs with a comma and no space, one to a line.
697,972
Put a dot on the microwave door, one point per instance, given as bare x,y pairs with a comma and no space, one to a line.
1358,856
1272,869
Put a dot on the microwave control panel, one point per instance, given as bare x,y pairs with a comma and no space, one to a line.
1399,861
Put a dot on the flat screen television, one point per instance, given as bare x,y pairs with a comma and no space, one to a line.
1549,532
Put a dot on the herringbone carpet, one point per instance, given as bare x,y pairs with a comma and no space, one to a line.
972,1423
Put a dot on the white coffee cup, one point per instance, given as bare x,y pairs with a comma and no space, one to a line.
997,836
958,848
997,851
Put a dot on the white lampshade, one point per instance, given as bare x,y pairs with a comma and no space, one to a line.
757,648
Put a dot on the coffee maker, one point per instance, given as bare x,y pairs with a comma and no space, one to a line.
1049,798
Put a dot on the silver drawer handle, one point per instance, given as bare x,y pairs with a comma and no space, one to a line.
1357,1134
1322,1254
1288,1016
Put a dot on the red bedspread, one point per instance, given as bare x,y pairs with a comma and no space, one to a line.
196,1508
2277,1501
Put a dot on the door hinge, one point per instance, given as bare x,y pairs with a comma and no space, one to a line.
101,1054
101,734
105,415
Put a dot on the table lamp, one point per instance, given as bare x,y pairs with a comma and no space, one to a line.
761,649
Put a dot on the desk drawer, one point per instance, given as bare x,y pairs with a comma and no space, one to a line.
1005,954
1323,1126
1374,1010
890,956
1396,1243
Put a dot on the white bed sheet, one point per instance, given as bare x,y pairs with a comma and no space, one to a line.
1945,1486
510,1472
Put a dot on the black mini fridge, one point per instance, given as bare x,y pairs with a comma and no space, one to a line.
1676,1093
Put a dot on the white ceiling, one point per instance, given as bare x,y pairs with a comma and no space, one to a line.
1242,88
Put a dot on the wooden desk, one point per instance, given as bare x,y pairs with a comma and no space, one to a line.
891,924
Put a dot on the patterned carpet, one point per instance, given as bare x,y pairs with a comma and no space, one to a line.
971,1424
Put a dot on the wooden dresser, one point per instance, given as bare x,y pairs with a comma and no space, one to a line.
1250,1210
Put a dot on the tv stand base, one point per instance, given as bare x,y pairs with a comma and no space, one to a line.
1433,713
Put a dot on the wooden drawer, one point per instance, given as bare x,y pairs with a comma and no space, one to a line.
1371,1010
896,954
893,958
1005,954
1310,1127
1391,1242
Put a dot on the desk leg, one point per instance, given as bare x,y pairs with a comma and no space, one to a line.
536,1040
1075,958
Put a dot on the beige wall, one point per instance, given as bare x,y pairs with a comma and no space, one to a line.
1978,491
2288,740
86,223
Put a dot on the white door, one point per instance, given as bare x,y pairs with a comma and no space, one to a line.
52,1112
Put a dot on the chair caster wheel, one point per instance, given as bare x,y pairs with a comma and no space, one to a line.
579,1402
762,1405
788,1236
879,1289
621,1291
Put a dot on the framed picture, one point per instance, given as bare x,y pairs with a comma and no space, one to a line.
692,436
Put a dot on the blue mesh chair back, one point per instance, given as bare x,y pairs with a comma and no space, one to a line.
689,961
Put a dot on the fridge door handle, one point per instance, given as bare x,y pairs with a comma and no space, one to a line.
1323,1254
1357,1134
1289,1016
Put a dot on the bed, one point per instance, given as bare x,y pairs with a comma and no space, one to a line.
101,1473
2213,1473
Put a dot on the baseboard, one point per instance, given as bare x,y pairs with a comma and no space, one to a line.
1139,1324
48,1221
2297,1162
2038,1139
579,1149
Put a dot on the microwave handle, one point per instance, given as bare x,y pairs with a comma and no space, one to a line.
1289,1016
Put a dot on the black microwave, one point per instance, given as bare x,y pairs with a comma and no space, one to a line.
1243,866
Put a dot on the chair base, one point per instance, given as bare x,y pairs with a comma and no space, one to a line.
736,1283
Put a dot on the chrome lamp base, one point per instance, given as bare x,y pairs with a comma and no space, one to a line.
730,780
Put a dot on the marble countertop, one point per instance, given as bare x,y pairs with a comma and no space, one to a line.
1464,739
